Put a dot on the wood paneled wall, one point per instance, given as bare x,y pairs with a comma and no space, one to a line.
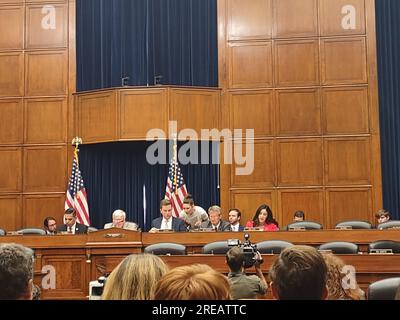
37,63
307,86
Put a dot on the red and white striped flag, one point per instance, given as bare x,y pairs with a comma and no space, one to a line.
176,188
76,193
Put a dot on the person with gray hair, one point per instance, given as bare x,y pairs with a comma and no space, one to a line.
216,222
16,272
119,221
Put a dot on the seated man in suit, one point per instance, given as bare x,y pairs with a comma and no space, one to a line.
71,226
119,217
299,216
214,213
167,221
50,226
234,216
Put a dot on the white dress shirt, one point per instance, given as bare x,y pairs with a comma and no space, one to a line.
72,229
166,224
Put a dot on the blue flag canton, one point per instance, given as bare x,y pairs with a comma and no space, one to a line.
175,172
76,181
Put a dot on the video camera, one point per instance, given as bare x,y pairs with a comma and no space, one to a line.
250,252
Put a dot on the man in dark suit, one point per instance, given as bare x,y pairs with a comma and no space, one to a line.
167,221
215,222
234,216
71,226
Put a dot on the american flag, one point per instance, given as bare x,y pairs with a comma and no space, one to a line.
76,194
176,188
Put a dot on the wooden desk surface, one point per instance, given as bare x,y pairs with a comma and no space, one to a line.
79,259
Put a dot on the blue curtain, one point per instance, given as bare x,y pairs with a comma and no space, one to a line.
388,54
141,39
115,174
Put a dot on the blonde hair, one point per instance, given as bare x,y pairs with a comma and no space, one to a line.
334,280
135,278
194,282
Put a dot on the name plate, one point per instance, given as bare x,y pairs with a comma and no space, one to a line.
253,229
165,230
381,251
206,230
344,228
297,229
14,233
114,235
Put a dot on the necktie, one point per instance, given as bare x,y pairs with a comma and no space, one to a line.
165,224
69,229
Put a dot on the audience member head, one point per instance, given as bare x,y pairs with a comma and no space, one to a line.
166,208
118,217
193,282
299,216
336,273
382,216
264,216
188,204
299,273
50,224
234,216
214,212
235,259
16,272
70,217
135,278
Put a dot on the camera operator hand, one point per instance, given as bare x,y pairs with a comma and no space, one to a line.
257,266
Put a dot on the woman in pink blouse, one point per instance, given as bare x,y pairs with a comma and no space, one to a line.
263,218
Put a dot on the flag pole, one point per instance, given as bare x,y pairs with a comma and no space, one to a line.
175,166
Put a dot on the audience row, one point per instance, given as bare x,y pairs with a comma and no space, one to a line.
298,273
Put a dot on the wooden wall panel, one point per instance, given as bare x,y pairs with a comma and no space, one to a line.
252,23
252,110
45,120
46,73
70,276
151,107
324,117
12,74
11,173
249,200
11,115
45,169
10,212
344,61
348,204
39,31
12,27
195,109
296,63
346,110
300,162
294,18
38,207
348,161
257,57
310,201
35,80
264,166
97,116
298,112
332,16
